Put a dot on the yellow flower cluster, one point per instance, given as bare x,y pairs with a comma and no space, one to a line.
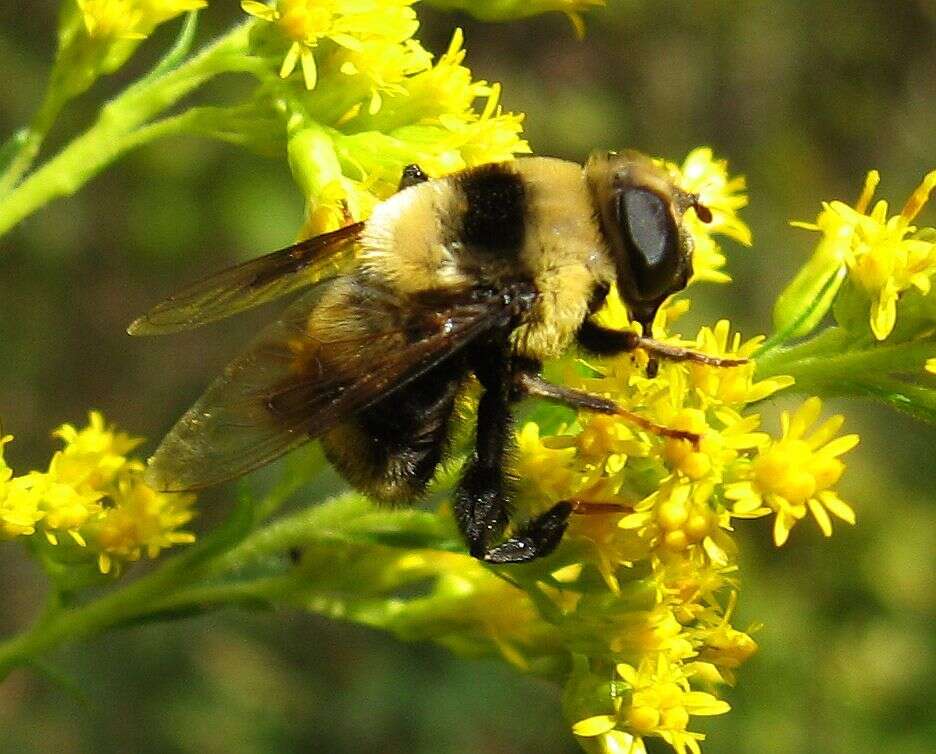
883,255
372,100
373,37
130,19
660,702
94,495
647,587
655,522
796,473
434,123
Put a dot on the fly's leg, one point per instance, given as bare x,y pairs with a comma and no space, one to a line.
483,498
530,383
607,342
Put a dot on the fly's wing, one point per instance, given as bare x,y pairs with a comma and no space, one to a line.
251,283
339,349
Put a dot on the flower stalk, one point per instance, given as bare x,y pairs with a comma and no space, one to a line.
126,122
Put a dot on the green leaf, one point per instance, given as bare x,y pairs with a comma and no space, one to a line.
180,48
918,401
807,299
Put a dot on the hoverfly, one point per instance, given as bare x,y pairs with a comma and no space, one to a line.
486,272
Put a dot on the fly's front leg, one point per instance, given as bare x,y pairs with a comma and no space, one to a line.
483,498
607,342
532,384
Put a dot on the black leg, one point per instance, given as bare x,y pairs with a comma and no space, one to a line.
412,174
532,384
607,342
482,501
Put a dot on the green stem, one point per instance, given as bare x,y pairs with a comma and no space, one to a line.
123,125
202,596
777,360
60,625
291,531
218,571
826,362
172,586
29,142
78,623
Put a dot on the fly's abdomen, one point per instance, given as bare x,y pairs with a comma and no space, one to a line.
392,449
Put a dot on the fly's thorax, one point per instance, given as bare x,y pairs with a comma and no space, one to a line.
564,252
409,241
530,219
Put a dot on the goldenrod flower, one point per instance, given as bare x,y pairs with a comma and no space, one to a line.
681,516
428,117
650,577
93,493
140,520
19,504
931,365
435,123
385,65
660,703
736,385
92,456
701,174
131,19
351,24
795,474
882,255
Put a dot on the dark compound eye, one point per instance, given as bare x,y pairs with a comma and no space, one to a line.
651,240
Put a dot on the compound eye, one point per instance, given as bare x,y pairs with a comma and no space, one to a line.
651,238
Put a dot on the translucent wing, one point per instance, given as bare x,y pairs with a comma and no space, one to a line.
252,283
339,349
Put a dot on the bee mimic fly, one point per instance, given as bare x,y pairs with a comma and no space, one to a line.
486,273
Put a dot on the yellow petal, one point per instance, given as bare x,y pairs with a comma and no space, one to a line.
309,72
714,551
822,518
804,417
826,431
628,673
739,490
701,703
781,529
870,184
595,726
259,10
289,62
634,520
840,445
884,313
837,506
919,197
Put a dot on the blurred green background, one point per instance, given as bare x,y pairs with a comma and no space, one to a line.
802,97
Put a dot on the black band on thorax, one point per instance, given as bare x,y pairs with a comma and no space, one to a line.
495,212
